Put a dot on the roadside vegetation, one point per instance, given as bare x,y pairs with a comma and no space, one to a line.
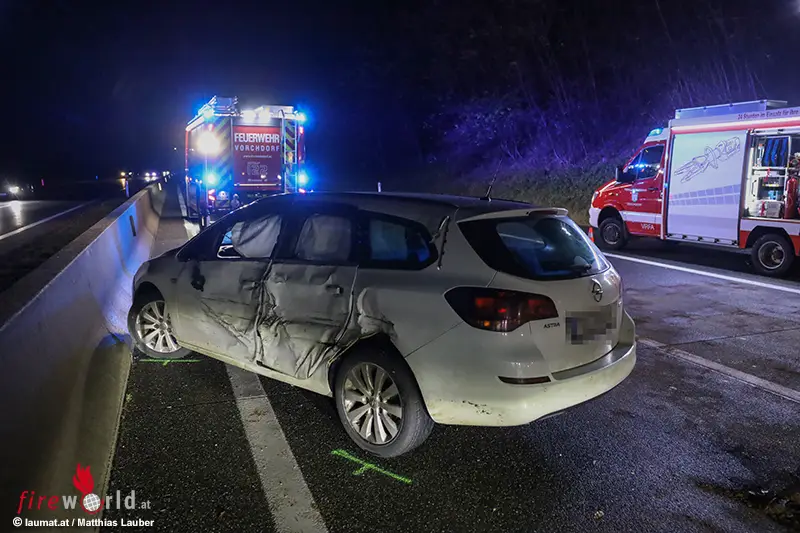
522,93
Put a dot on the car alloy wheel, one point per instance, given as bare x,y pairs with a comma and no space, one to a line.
372,403
154,328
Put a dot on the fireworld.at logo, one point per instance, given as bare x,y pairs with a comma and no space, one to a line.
84,482
90,502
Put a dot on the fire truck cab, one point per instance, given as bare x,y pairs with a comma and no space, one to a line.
725,175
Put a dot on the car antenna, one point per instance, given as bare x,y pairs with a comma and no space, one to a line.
488,195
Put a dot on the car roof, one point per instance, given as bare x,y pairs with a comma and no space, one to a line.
417,206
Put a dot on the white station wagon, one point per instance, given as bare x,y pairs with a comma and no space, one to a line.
406,309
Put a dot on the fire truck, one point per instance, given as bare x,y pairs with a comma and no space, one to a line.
723,175
249,153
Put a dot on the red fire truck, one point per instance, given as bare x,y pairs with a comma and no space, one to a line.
248,153
724,175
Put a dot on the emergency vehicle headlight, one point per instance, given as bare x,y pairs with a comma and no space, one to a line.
208,143
13,189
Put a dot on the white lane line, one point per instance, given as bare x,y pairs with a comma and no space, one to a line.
290,501
704,273
753,381
38,222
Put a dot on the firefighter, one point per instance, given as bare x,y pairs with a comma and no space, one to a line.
235,203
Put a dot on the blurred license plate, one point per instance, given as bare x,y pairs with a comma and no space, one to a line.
588,326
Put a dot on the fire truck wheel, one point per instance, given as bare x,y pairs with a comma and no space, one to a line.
772,255
612,235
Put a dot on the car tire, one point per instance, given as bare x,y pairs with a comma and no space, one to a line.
772,255
414,424
145,307
611,234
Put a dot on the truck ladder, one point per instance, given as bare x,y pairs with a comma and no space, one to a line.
289,137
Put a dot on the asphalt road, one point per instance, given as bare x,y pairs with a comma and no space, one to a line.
29,236
20,213
676,447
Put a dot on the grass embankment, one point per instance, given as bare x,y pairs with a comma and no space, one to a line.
571,189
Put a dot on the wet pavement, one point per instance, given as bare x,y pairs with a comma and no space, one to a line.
676,447
17,214
29,236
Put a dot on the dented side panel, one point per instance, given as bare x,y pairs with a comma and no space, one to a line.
221,317
308,307
286,317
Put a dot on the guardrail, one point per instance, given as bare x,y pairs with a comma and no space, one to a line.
65,357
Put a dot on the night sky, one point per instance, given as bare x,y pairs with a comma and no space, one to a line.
97,87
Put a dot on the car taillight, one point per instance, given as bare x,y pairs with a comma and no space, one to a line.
499,310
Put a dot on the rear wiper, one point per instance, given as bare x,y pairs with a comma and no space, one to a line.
443,228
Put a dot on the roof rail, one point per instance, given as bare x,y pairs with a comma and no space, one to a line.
729,109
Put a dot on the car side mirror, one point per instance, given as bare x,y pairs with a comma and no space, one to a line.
623,177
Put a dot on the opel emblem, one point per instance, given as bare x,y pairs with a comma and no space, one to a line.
597,291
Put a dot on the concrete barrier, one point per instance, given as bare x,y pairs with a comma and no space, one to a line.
65,358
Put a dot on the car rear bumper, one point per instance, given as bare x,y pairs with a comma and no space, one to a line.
480,398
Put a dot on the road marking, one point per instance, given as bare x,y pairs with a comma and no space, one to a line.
165,362
38,222
704,273
753,381
290,501
369,466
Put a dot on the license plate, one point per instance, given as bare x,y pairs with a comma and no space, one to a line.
590,326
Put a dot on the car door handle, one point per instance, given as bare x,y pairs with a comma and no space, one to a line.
654,189
335,289
198,283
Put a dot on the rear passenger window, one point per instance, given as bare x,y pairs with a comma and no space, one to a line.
398,244
536,247
325,238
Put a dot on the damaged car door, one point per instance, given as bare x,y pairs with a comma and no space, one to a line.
220,290
309,287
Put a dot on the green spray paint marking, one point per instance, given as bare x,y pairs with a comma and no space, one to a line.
369,466
165,362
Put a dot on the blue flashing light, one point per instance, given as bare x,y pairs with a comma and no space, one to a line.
208,113
301,117
656,131
210,179
302,178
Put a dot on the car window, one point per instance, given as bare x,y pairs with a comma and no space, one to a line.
535,247
398,244
252,239
325,238
648,162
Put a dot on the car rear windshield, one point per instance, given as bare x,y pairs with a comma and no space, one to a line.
537,247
